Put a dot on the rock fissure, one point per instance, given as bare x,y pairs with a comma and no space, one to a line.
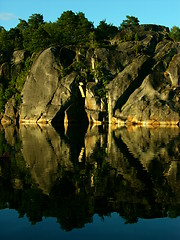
134,82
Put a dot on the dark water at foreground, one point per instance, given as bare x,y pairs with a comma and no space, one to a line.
96,184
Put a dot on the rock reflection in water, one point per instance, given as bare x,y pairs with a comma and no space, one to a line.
77,173
43,150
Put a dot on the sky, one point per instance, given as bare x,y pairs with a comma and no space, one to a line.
161,12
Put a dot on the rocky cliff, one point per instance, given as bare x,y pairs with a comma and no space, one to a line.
125,82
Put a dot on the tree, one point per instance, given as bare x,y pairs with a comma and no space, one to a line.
6,46
130,21
1,28
66,27
35,20
40,40
175,33
84,28
105,31
55,35
35,37
1,97
22,25
16,38
74,28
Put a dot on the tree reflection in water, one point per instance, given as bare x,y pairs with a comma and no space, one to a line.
72,175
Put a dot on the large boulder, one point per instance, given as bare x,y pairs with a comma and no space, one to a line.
18,61
50,95
127,81
45,91
11,112
148,106
147,90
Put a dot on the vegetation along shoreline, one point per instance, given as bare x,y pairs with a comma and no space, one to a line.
71,71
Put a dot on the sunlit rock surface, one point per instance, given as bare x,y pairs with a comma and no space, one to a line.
173,70
129,81
11,113
147,92
45,91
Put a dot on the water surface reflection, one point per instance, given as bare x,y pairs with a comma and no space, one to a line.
74,174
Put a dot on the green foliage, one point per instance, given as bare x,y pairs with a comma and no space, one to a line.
54,34
16,84
129,36
105,31
136,37
1,98
22,76
6,48
70,28
16,38
74,29
101,79
34,21
35,36
84,74
175,33
22,25
9,41
81,69
92,40
40,40
130,21
10,90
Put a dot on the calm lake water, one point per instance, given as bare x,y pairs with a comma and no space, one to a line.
95,183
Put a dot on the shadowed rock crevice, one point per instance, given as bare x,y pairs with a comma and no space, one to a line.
134,81
141,75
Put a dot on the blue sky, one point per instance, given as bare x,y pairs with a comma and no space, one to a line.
162,12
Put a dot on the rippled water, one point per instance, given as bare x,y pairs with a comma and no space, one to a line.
100,182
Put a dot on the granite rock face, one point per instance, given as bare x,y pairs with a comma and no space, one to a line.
11,69
140,77
148,106
40,85
95,108
45,91
17,62
174,70
147,91
10,115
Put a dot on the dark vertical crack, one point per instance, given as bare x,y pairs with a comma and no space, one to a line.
143,72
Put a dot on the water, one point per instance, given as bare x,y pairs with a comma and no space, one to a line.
110,228
96,183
